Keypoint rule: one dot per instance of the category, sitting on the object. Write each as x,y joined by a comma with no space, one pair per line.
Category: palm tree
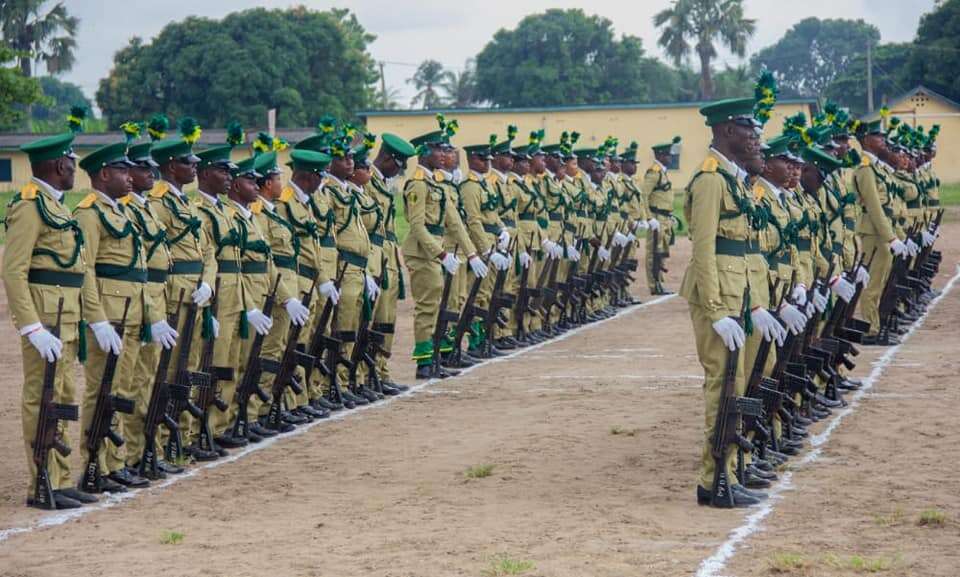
39,35
703,22
429,76
388,100
461,87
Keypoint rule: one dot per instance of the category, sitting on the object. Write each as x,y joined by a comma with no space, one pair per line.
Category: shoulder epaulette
126,199
286,195
758,191
419,174
256,207
438,175
473,176
710,165
864,160
528,179
492,179
654,167
87,201
159,189
29,192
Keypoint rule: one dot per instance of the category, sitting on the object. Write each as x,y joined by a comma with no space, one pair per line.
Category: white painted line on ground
109,500
714,564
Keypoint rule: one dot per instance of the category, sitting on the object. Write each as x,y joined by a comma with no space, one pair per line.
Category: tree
734,82
890,78
935,58
461,87
16,90
59,96
39,35
703,22
302,62
814,52
564,57
429,77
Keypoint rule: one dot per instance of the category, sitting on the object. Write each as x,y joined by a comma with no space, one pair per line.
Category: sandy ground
384,493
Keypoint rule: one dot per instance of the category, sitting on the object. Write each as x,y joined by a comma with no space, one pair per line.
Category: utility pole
869,78
383,88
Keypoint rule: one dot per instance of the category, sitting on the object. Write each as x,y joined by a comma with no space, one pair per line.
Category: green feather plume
235,134
132,130
511,132
157,127
76,117
189,129
263,143
765,96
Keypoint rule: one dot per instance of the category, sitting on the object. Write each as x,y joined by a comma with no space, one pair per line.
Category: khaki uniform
42,263
659,190
714,284
876,232
456,238
118,261
392,288
506,195
530,240
483,225
844,203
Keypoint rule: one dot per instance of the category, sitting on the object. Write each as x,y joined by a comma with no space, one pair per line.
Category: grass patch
788,562
890,520
932,518
503,565
618,430
862,564
171,538
479,471
950,194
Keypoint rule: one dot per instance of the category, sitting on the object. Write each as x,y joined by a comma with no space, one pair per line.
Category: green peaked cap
266,163
308,160
163,151
109,155
728,109
246,168
397,146
824,161
49,147
216,155
140,153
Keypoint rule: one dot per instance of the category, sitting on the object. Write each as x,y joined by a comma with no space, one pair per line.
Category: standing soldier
659,191
529,237
501,166
43,264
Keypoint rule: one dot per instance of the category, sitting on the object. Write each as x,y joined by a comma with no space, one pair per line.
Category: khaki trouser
713,357
64,391
879,271
663,242
349,310
314,387
143,378
226,353
385,313
193,363
273,346
426,284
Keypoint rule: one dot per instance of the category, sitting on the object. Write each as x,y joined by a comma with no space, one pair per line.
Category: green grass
787,562
503,565
932,518
862,564
950,194
894,518
171,538
479,471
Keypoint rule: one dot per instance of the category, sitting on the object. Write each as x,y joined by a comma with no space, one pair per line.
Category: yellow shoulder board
419,174
29,192
528,179
864,160
710,165
256,207
473,176
758,191
286,195
87,201
126,199
438,175
492,179
159,189
654,167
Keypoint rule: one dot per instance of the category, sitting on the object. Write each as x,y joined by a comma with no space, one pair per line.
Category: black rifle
184,382
209,394
250,385
47,436
570,286
333,353
728,425
365,349
589,290
160,396
469,313
656,263
524,294
444,318
549,293
101,425
498,300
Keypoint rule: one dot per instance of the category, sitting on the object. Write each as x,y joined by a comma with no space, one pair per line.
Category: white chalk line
111,500
712,565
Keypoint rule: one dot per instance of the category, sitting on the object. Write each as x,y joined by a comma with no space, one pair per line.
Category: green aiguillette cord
82,341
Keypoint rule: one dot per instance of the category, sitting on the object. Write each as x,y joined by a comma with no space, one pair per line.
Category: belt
837,247
888,211
157,275
528,217
228,267
753,247
931,202
509,222
913,203
353,258
55,278
376,238
392,236
661,212
569,227
849,223
254,267
307,272
555,216
731,247
491,228
186,267
287,262
328,242
803,244
435,229
115,272
582,213
775,260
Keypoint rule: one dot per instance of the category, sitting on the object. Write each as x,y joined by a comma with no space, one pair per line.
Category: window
6,170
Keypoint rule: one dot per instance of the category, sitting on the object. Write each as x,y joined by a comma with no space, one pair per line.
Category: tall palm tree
429,76
39,34
703,22
461,87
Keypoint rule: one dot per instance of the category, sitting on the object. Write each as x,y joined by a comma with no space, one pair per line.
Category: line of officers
137,251
784,213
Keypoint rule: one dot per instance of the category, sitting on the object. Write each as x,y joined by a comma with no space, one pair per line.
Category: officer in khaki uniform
559,234
529,233
501,165
153,235
43,263
118,262
717,206
659,191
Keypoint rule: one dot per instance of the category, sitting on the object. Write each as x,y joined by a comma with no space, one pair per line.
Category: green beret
216,156
109,155
729,109
266,163
50,148
308,160
163,151
245,168
140,154
824,161
398,147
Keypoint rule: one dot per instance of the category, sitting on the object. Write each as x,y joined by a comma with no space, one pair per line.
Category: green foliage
479,471
890,78
428,80
814,52
59,96
932,518
565,57
302,62
171,538
16,91
502,565
935,59
734,82
40,32
786,562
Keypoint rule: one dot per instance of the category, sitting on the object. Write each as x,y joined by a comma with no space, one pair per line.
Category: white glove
216,326
552,249
641,225
499,261
653,224
477,266
525,259
799,295
898,248
793,318
49,346
731,332
843,288
572,253
604,253
620,239
927,238
863,277
107,337
297,312
260,322
767,324
631,237
450,262
328,290
202,295
163,333
819,301
912,247
503,240
810,310
373,289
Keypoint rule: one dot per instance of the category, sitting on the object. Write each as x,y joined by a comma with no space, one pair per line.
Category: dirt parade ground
576,458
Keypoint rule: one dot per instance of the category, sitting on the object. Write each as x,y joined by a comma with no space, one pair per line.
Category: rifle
334,357
727,427
498,300
656,263
47,436
250,385
468,314
523,301
157,415
319,341
368,343
182,386
208,393
549,294
569,287
444,317
101,426
591,276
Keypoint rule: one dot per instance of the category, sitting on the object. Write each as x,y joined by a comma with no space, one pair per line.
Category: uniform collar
660,164
175,189
303,197
56,194
142,201
729,165
211,199
267,204
340,183
377,173
446,174
244,211
500,176
770,186
103,196
353,187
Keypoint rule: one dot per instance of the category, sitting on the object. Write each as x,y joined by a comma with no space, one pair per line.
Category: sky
451,32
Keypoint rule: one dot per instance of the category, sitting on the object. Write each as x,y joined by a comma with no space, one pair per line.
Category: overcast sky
410,32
